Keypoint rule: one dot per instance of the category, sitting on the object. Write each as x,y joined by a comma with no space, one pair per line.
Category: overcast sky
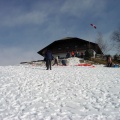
26,26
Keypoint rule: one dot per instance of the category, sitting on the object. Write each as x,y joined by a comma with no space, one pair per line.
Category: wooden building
62,46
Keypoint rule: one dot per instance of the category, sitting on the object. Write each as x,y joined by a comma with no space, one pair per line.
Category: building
62,46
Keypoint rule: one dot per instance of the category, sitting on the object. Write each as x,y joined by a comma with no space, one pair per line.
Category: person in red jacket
72,54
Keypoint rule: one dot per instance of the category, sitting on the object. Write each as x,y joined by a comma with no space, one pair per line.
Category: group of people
74,54
49,57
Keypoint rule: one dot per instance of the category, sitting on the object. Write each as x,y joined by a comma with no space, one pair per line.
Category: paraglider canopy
93,26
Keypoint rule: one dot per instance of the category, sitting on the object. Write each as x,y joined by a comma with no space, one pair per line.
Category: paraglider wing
93,26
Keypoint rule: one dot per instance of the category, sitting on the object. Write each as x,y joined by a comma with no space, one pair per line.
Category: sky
27,26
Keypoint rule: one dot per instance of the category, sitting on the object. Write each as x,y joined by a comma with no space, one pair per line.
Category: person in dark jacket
48,58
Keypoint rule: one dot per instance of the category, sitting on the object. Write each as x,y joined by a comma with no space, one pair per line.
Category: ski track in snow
63,93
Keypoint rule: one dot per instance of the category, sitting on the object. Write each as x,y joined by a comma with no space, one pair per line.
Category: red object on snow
85,64
93,26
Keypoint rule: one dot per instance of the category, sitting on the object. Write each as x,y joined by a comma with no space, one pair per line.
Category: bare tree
116,39
105,45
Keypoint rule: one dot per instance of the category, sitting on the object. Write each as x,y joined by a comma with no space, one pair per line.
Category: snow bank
73,61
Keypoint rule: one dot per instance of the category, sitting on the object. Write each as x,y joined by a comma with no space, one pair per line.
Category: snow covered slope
63,93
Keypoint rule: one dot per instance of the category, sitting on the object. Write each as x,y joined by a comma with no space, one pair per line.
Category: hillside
30,92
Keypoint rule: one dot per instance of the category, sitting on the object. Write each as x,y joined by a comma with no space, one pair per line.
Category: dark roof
66,40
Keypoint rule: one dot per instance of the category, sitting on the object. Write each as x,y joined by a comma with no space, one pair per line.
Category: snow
64,93
74,61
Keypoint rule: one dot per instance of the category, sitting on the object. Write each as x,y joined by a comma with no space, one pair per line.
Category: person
56,60
109,61
48,58
72,53
68,55
82,55
76,53
63,62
